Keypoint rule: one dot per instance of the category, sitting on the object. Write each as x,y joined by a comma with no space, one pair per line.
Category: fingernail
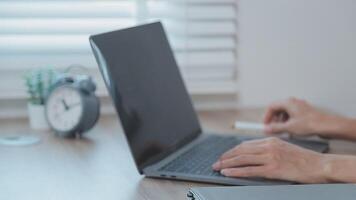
216,165
224,172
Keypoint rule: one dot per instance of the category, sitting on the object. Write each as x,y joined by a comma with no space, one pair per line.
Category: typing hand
274,159
293,116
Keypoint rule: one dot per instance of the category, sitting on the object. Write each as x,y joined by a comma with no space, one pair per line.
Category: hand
274,159
294,116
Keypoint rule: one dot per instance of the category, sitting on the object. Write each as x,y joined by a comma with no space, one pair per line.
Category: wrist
323,123
338,168
322,169
327,168
333,126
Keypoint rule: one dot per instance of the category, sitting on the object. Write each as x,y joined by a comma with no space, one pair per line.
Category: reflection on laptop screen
144,81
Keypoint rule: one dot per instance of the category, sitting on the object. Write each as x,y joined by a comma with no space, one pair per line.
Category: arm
340,168
337,127
304,119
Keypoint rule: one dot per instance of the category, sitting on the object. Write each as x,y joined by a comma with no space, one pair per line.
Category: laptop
282,192
161,126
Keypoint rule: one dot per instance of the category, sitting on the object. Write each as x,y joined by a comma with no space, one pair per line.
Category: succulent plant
38,82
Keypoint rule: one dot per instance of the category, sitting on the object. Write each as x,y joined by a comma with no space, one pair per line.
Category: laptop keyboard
198,160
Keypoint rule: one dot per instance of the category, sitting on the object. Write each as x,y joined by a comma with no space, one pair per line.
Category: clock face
64,109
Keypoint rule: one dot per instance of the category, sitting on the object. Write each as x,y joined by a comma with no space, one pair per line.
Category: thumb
277,127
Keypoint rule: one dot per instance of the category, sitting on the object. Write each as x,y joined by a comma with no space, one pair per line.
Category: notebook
285,192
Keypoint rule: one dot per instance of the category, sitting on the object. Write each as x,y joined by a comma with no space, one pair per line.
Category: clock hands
66,107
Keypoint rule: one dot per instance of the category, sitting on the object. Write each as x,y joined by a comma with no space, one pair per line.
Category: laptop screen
147,89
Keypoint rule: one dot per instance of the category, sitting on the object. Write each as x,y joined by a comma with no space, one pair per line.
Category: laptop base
160,170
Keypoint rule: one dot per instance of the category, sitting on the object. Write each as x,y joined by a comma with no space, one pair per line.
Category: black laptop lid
147,89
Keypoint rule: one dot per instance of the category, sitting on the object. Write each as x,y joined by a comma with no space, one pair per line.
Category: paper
249,126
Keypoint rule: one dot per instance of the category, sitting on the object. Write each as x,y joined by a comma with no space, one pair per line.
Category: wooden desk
97,167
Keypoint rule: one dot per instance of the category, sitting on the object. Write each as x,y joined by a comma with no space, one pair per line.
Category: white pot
37,117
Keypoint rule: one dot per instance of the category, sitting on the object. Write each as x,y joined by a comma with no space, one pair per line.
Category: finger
277,127
250,147
274,109
240,161
247,147
268,117
251,171
253,142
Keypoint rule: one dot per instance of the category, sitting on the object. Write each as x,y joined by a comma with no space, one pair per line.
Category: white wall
303,48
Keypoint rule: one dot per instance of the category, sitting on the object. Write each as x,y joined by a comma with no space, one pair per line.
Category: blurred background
232,53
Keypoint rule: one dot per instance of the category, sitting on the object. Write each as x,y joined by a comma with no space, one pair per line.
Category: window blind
55,33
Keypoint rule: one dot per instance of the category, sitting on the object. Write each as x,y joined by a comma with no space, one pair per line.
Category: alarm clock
72,108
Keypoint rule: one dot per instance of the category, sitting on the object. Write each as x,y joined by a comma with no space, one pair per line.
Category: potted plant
38,82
